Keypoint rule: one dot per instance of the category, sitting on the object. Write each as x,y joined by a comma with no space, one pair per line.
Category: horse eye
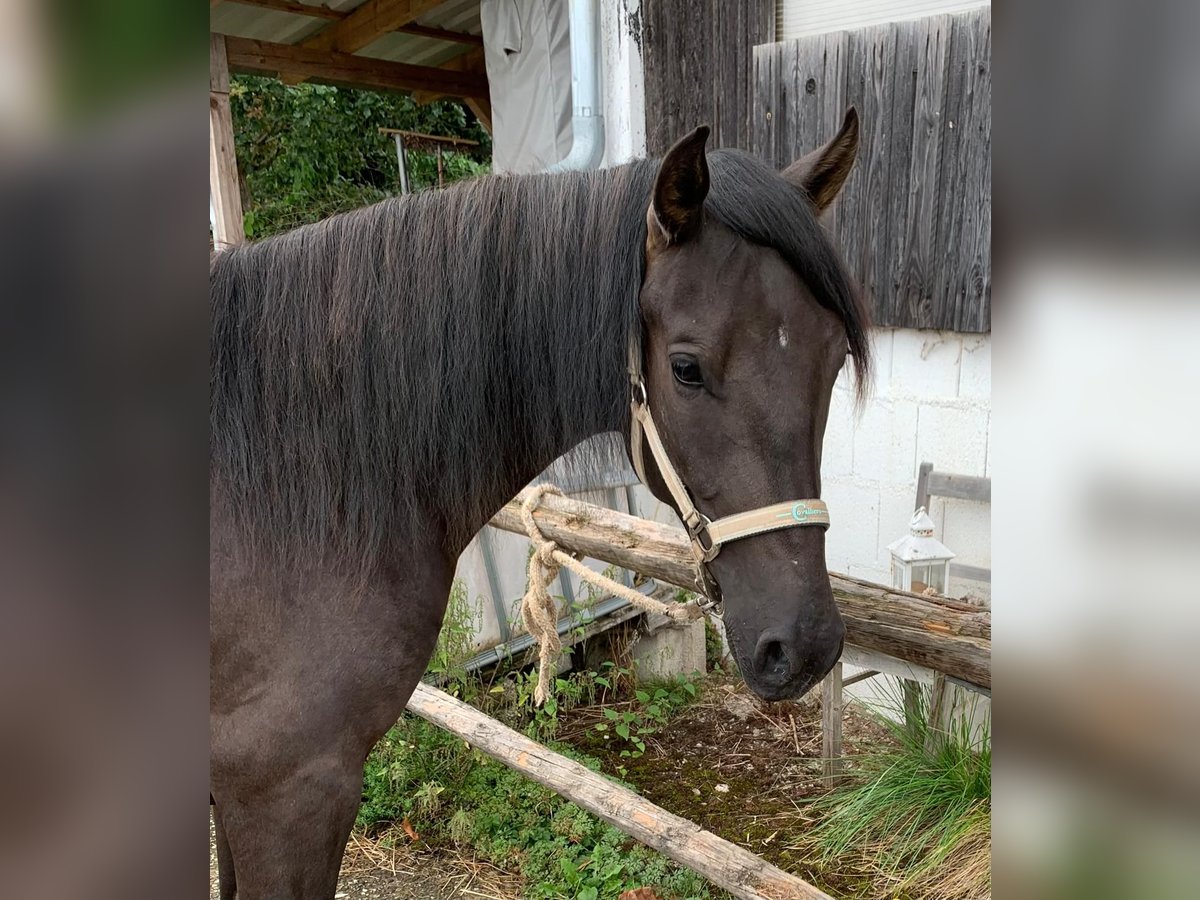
687,371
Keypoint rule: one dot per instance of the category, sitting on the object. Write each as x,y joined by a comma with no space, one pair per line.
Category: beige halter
706,535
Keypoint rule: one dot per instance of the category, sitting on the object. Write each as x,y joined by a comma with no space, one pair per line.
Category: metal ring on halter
639,393
711,602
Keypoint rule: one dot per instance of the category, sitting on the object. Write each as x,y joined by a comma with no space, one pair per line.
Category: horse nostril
774,662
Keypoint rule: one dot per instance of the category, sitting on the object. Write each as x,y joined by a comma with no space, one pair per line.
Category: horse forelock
759,205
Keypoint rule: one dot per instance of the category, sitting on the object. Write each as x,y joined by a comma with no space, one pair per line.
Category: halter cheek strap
706,535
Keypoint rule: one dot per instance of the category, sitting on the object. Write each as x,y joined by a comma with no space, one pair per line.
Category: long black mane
397,366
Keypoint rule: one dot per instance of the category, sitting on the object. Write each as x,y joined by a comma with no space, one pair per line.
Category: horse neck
562,270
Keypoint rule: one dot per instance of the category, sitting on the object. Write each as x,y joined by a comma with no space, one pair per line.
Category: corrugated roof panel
263,24
455,15
278,27
414,50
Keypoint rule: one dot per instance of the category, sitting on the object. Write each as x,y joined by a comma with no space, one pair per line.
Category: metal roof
276,26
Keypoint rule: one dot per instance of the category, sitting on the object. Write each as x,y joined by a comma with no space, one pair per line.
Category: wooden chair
946,695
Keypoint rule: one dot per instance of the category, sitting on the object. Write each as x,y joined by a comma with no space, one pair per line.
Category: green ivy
453,794
308,151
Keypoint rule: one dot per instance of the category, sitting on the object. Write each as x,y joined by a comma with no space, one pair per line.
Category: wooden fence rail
940,634
724,864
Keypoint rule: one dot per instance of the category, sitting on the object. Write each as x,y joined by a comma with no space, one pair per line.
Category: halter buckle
699,530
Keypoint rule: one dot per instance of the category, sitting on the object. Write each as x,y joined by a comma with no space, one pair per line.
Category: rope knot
539,612
545,554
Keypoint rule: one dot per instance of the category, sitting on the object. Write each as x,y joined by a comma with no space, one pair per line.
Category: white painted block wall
930,402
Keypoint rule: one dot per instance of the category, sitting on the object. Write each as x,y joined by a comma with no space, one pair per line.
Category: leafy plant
456,640
714,647
652,708
455,795
542,721
308,151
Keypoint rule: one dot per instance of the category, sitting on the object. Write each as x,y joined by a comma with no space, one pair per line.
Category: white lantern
920,562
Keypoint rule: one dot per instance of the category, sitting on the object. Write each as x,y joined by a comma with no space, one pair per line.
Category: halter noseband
706,535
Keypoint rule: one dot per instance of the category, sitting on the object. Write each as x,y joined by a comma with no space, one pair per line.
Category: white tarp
527,49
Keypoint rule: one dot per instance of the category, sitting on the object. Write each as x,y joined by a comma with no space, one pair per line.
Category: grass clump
919,821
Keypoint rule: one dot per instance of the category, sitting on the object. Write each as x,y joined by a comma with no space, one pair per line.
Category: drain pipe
587,115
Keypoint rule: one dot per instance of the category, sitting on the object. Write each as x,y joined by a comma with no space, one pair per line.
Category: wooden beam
420,136
441,34
483,111
962,487
935,632
861,676
725,864
471,61
480,106
224,191
247,55
369,22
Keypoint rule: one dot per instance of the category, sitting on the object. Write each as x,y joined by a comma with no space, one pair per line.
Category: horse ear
822,173
677,209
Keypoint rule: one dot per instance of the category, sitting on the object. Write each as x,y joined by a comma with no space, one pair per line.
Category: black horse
383,381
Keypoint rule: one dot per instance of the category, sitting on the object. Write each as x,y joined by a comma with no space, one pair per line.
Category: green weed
921,816
454,795
652,708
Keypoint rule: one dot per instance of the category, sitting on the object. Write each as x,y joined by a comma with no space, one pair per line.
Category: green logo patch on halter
801,512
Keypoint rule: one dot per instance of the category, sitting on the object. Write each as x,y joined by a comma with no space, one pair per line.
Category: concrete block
844,385
975,369
987,461
895,512
854,530
881,360
669,650
870,573
954,440
885,441
881,366
472,571
837,452
925,364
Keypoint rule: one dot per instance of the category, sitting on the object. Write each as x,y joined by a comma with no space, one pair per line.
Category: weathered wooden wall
697,62
914,220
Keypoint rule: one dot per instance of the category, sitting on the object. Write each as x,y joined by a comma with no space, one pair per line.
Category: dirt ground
371,871
737,766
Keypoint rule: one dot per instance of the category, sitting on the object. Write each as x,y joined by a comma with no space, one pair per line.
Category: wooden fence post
831,725
223,188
